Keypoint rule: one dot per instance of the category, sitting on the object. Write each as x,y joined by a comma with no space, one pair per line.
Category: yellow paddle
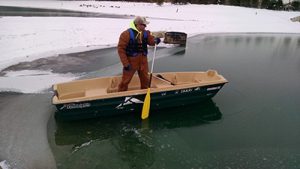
146,106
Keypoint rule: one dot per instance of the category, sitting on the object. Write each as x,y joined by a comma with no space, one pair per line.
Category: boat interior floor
158,81
109,85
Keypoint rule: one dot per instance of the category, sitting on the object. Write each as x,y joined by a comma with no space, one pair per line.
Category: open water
253,122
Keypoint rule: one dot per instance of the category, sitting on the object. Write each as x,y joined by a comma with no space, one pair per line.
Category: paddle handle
150,80
154,55
152,66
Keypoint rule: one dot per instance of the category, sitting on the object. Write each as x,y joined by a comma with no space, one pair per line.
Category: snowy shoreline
29,38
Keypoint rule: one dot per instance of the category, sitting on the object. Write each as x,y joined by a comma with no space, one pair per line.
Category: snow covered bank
30,38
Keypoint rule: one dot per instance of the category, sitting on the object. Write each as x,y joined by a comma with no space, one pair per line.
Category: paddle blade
146,106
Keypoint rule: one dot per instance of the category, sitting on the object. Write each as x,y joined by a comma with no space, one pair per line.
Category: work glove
157,40
128,67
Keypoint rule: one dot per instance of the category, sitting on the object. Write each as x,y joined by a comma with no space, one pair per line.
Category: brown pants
139,64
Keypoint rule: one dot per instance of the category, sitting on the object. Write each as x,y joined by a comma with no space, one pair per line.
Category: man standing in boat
133,50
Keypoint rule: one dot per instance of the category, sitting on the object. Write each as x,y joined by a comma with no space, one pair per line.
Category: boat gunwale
153,90
134,93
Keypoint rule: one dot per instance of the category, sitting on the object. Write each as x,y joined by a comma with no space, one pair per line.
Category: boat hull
133,103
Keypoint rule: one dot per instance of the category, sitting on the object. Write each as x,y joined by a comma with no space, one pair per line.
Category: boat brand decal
129,100
213,88
187,90
75,106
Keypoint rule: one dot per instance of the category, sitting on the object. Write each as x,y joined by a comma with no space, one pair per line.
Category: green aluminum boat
91,98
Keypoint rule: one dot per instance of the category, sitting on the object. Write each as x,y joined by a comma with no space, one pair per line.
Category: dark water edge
29,12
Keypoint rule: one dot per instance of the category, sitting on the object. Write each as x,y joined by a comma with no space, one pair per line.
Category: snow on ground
30,38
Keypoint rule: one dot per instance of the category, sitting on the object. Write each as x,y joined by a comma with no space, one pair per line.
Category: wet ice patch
32,81
4,165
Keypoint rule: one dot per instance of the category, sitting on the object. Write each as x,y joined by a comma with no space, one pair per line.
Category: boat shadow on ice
135,141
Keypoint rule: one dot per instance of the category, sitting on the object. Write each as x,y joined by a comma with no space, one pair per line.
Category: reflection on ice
125,140
23,128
